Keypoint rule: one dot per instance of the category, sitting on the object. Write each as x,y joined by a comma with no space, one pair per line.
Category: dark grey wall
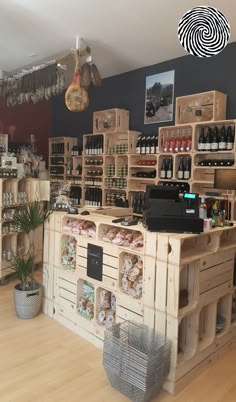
192,75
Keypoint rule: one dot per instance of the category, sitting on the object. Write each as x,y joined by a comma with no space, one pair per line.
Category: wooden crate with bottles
197,108
60,156
214,148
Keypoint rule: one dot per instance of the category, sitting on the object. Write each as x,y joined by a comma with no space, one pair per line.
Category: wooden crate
68,142
110,120
166,133
205,106
218,124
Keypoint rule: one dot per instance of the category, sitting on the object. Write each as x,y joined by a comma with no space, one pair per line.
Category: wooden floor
41,361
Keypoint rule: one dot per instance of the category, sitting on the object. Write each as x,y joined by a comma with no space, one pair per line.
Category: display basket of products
136,360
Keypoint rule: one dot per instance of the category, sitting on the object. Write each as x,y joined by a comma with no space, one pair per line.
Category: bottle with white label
230,139
222,139
169,172
201,141
208,140
215,140
187,170
181,169
203,209
163,169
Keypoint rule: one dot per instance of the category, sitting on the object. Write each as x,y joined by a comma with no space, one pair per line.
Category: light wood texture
42,361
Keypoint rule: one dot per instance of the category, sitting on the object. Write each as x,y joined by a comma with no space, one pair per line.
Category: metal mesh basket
136,360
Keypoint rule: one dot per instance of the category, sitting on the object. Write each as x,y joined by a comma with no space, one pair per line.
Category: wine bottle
156,144
163,169
153,145
148,145
181,169
138,145
215,140
187,170
222,139
169,172
208,139
201,141
143,144
134,204
230,140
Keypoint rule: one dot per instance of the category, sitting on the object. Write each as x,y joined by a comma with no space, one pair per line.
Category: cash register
165,210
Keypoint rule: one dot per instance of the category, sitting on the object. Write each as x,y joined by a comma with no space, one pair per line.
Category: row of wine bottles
145,174
183,172
93,196
57,161
76,195
147,144
216,139
94,145
57,170
58,148
216,162
138,203
77,150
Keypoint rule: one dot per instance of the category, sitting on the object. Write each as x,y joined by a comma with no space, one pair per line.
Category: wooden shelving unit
183,286
22,191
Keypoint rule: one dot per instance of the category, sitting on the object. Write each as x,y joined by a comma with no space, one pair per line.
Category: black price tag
94,262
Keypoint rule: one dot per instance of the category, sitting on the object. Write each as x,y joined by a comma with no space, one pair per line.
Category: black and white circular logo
204,31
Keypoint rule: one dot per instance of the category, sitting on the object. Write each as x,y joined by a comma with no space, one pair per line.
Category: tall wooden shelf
23,191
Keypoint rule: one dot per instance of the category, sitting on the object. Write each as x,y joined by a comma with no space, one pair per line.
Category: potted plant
28,293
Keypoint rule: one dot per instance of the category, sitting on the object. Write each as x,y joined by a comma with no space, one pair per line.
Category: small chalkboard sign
94,262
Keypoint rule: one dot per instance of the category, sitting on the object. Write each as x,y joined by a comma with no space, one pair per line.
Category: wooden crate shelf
110,120
206,106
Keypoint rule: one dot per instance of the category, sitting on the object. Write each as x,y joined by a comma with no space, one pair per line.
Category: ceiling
124,34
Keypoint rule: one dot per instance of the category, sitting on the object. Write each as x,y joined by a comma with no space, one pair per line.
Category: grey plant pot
28,302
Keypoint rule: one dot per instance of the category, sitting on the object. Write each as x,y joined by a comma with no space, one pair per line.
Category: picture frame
159,97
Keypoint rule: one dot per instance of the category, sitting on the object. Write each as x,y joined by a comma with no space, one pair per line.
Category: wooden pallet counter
97,273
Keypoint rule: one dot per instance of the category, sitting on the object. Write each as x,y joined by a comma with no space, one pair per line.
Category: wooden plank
110,271
215,276
214,294
184,277
151,244
67,285
216,258
111,261
149,276
65,294
46,245
160,322
162,247
161,285
128,315
149,317
130,303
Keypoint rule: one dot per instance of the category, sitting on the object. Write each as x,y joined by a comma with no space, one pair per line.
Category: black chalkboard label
94,262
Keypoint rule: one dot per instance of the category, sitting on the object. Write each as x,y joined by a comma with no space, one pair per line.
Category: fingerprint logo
204,31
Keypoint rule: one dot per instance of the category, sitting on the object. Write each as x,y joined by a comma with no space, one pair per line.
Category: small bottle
202,209
201,141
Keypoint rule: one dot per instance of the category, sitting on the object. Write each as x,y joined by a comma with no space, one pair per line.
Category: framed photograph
159,97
